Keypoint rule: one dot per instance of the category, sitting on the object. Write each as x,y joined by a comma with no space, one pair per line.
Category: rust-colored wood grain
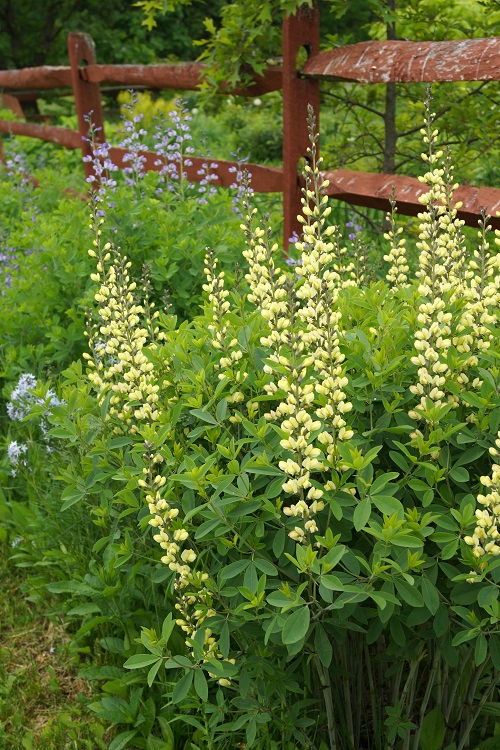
44,77
81,51
185,76
7,101
61,136
300,32
375,190
403,61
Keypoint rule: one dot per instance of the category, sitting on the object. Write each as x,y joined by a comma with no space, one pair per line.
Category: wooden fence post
81,49
300,32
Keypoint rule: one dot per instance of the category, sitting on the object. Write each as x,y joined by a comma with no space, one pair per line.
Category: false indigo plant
308,456
173,146
102,181
23,404
133,143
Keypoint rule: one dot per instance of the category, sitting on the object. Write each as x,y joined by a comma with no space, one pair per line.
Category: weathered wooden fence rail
367,62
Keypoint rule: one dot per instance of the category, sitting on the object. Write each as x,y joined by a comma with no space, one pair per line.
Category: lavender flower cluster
356,229
173,146
240,184
17,167
102,166
8,266
133,143
17,455
16,164
172,141
22,399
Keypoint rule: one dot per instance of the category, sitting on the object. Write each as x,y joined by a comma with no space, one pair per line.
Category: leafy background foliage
380,617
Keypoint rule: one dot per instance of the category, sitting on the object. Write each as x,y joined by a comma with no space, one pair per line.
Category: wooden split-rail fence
366,62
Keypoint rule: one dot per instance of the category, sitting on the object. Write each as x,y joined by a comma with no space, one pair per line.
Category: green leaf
71,496
205,416
334,555
101,673
154,743
480,649
362,513
387,504
119,442
399,460
206,527
408,593
244,509
494,645
221,410
84,609
279,543
470,455
487,595
265,566
331,582
431,596
441,621
140,660
182,687
201,685
381,481
224,641
233,569
406,540
323,646
121,740
296,625
167,733
167,627
459,474
432,734
153,672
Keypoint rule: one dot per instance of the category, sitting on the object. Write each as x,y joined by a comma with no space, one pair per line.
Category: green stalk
326,689
347,694
427,695
360,704
465,735
373,699
408,688
451,699
468,703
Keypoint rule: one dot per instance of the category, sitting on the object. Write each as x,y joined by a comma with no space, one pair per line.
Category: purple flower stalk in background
242,190
17,455
102,166
8,267
133,143
16,164
172,145
208,173
356,227
22,399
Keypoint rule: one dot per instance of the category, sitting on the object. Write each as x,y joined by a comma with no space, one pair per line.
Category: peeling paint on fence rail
62,136
186,76
45,77
375,190
403,61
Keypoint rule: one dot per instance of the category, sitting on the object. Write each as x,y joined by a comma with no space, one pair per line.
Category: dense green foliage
313,577
34,33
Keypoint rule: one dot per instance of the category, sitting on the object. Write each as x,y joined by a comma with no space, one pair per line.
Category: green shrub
45,269
309,453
